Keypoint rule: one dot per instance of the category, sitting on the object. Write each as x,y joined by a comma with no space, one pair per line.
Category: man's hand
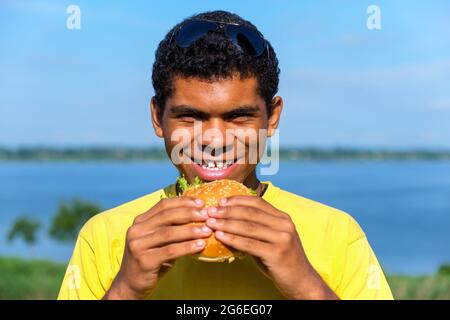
156,238
252,225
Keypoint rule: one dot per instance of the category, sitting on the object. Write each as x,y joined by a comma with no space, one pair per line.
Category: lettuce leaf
252,192
197,182
185,185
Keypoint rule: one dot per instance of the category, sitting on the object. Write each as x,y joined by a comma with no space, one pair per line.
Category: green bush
444,270
70,217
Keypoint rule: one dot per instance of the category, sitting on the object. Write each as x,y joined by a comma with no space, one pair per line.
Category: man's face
215,130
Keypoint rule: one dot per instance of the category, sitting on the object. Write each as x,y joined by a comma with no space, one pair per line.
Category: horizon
282,147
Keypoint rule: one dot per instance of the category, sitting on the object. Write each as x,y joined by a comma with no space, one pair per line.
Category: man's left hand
252,225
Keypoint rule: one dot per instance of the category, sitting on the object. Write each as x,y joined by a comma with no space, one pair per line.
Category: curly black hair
213,57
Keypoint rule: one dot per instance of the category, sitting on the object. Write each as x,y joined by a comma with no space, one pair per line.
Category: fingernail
211,220
203,213
200,243
205,229
213,209
199,202
223,201
198,230
220,234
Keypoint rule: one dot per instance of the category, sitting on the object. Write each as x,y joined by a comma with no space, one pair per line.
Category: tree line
156,153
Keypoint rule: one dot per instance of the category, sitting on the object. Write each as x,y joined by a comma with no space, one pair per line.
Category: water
404,207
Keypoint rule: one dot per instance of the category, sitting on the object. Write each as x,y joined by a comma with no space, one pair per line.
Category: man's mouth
209,170
216,165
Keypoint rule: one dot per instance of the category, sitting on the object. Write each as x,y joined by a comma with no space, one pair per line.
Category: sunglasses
245,38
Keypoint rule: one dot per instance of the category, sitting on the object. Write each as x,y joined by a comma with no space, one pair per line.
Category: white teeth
219,165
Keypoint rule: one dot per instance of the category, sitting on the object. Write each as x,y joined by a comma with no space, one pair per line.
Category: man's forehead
220,93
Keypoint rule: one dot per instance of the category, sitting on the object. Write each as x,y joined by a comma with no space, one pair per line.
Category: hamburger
211,193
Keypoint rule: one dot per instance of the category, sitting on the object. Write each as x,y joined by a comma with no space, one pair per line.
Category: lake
404,207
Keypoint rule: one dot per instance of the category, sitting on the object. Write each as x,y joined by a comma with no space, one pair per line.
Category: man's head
214,83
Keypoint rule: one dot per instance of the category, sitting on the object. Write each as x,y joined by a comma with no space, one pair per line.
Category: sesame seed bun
211,193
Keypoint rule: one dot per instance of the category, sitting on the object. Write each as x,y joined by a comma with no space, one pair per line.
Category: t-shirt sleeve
81,280
362,276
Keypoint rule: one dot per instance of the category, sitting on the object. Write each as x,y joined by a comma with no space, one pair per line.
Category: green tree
25,228
70,217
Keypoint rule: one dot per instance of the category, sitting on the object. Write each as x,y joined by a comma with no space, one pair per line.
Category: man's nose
215,138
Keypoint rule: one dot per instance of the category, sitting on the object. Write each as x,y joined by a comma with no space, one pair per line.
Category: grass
431,287
29,279
40,279
421,287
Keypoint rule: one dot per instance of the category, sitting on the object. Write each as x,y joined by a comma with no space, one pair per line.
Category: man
216,69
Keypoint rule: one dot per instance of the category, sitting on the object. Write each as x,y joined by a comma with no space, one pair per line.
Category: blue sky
343,85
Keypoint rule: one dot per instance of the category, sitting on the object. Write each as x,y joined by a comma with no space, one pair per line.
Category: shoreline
158,154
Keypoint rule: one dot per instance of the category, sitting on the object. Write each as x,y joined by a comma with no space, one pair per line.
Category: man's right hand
156,238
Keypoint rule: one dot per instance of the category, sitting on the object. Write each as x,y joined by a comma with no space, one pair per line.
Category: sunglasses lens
248,39
192,31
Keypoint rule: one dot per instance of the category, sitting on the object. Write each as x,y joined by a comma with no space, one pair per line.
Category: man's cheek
179,143
248,145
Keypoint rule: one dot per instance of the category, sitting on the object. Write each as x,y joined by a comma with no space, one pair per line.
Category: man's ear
274,119
157,115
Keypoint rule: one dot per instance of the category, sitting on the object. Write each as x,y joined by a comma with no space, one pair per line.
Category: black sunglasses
245,38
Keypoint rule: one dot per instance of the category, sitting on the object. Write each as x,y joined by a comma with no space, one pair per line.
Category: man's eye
187,119
240,119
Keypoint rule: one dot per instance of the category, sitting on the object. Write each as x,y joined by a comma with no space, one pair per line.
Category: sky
343,85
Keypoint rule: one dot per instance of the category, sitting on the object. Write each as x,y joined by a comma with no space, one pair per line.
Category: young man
216,69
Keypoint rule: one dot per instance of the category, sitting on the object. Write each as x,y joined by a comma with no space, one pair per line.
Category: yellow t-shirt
334,243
